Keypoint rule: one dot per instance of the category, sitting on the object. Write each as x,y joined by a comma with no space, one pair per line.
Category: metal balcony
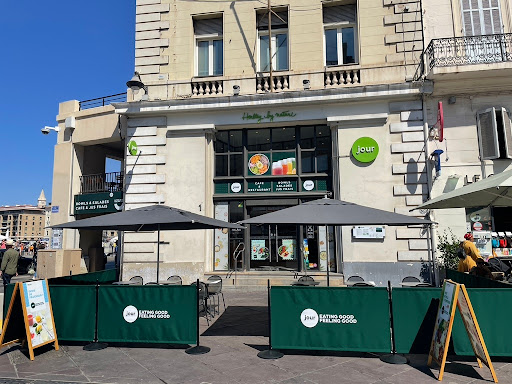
102,182
455,51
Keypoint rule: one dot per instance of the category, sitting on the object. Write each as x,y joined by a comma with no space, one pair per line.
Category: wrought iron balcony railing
484,49
102,101
102,182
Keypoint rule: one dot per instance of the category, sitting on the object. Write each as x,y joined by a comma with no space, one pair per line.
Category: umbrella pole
158,255
327,249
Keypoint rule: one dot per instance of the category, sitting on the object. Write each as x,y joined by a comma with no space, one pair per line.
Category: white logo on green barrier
132,148
365,149
309,318
130,314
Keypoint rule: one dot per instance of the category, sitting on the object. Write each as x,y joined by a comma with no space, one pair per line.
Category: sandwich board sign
455,296
30,317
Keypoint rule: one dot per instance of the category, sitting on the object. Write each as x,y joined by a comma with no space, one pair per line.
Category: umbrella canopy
495,190
152,218
334,212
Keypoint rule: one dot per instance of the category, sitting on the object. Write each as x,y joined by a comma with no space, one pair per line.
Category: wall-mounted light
135,83
236,90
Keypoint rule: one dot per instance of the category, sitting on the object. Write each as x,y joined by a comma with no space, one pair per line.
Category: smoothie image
30,319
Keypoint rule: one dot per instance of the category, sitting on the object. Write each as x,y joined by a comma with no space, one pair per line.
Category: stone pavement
235,338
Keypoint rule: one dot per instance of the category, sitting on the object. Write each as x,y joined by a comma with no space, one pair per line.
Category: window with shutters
275,43
340,34
209,57
481,17
494,134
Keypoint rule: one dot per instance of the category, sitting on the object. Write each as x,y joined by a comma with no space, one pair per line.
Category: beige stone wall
388,34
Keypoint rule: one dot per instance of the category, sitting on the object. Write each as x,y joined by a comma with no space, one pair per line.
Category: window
277,41
340,34
209,47
315,145
481,17
494,134
229,153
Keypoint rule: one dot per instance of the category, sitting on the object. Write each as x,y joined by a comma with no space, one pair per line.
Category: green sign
268,117
103,202
365,149
337,319
284,186
259,186
149,314
132,148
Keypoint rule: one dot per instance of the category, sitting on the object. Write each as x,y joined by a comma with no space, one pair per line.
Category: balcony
469,57
102,182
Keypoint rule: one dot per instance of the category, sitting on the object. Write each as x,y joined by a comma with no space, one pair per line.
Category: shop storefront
261,170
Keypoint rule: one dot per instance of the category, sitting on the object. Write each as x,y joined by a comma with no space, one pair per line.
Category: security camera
45,131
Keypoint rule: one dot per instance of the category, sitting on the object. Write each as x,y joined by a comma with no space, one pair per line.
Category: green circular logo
132,148
365,150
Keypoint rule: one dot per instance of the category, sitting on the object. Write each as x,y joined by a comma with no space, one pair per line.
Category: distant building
24,222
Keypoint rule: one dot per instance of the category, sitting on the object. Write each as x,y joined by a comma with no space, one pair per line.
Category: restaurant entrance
273,247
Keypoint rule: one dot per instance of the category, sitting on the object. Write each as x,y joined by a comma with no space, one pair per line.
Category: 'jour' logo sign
365,149
309,318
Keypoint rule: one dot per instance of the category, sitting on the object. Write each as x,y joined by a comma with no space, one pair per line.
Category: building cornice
353,94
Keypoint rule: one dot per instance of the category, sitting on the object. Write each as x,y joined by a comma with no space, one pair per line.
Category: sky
54,51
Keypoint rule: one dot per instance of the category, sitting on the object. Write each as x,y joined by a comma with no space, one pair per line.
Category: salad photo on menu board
39,316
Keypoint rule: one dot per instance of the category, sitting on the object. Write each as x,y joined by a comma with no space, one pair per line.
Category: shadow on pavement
240,321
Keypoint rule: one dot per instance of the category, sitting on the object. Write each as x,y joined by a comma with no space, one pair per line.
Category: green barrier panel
414,315
8,290
103,277
471,281
493,311
73,310
149,314
337,319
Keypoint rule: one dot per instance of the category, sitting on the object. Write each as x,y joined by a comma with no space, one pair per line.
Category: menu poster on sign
455,296
258,250
30,305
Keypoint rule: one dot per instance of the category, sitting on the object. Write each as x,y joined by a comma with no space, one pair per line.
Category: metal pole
198,349
95,346
327,248
392,358
158,255
269,354
271,80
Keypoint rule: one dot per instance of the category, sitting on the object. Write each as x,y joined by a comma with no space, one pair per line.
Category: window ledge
207,78
342,67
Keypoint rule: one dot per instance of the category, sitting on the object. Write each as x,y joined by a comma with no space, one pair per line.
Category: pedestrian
2,246
469,247
466,262
9,266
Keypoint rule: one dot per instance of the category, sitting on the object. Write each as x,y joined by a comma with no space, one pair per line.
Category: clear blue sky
54,51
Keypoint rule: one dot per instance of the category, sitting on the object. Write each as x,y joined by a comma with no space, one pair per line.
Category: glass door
272,247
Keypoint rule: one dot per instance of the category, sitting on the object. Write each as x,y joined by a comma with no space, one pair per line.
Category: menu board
30,317
259,251
455,296
38,313
444,322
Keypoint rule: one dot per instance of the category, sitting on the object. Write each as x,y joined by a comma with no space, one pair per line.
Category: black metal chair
174,280
203,300
138,280
215,290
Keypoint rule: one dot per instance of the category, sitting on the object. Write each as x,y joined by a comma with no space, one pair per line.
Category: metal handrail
483,49
102,182
102,101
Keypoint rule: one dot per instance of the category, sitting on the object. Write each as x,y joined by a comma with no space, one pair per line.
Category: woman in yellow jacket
466,263
470,248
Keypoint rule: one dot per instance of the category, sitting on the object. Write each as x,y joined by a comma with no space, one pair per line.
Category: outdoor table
125,283
306,283
414,284
166,283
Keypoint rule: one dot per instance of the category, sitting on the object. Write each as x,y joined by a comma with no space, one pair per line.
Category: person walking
2,246
469,247
9,266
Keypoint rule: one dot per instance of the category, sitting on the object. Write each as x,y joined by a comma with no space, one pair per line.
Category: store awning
495,190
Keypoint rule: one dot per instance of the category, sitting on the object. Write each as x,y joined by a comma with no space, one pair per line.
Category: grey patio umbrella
334,212
151,218
495,190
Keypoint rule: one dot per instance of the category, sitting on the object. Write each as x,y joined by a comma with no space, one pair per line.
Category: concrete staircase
257,280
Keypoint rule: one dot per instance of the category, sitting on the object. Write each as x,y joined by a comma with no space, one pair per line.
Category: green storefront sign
259,186
284,186
103,202
365,149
